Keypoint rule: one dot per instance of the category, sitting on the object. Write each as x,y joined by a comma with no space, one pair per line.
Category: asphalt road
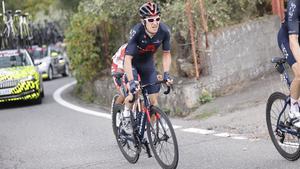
52,136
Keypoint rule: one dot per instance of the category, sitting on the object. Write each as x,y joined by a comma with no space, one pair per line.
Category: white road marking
177,127
222,134
239,138
58,99
199,131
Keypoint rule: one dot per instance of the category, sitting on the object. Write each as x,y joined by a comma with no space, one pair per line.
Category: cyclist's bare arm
294,45
129,74
167,61
128,67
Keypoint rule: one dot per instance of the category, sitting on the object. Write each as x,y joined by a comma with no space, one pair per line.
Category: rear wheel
286,144
128,147
162,139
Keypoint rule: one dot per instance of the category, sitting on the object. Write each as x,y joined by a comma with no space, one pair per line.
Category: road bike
144,117
9,32
284,135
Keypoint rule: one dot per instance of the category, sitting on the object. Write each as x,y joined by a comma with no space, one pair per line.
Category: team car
51,61
19,78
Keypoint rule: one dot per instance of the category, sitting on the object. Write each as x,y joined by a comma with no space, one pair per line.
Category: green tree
100,26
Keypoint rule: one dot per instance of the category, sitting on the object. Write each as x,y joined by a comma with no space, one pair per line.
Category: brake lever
168,89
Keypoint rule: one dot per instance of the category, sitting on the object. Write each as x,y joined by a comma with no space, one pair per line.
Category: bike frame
283,128
144,109
279,126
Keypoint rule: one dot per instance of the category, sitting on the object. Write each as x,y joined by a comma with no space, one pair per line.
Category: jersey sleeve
166,46
293,16
131,48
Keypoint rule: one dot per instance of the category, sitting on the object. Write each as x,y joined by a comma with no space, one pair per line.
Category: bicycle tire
277,96
154,139
113,110
116,111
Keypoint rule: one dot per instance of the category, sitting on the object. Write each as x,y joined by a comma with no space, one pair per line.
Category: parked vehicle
51,61
19,78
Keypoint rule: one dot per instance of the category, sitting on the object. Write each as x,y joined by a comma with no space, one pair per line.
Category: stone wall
242,52
236,55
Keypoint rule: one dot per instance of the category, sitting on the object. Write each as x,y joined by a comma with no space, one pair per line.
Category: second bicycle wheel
286,144
162,139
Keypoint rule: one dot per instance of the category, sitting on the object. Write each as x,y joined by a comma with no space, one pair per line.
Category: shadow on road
17,104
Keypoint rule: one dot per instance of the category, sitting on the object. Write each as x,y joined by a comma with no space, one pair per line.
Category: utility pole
278,8
203,21
188,10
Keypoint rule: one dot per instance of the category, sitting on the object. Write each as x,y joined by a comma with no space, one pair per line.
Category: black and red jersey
142,47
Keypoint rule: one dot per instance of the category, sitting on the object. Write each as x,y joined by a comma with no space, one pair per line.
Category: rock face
237,55
186,68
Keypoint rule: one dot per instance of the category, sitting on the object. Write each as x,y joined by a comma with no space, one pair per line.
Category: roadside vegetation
99,27
94,29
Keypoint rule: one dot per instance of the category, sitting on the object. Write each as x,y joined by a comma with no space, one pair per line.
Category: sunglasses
153,19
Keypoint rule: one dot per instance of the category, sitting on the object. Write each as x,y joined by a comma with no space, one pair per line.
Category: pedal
282,139
281,135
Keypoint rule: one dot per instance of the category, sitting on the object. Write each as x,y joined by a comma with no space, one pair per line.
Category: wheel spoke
163,148
163,141
290,146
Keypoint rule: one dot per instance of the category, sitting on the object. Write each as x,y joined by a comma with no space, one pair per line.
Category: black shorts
147,75
284,45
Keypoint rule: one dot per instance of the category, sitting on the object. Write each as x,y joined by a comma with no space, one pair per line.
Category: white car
50,61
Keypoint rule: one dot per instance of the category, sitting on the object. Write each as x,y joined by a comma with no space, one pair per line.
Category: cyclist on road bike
288,41
145,38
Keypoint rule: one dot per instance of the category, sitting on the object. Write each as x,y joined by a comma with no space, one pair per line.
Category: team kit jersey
142,47
290,26
117,65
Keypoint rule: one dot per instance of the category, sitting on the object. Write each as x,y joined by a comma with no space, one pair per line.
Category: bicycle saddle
279,60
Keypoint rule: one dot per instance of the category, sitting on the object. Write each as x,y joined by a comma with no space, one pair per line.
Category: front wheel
286,144
162,139
128,147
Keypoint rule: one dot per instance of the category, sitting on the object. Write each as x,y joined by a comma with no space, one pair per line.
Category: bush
83,54
205,97
100,26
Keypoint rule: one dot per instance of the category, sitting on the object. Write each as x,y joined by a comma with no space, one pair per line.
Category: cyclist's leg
284,45
150,76
285,48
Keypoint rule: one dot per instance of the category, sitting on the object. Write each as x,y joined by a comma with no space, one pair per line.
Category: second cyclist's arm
128,67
